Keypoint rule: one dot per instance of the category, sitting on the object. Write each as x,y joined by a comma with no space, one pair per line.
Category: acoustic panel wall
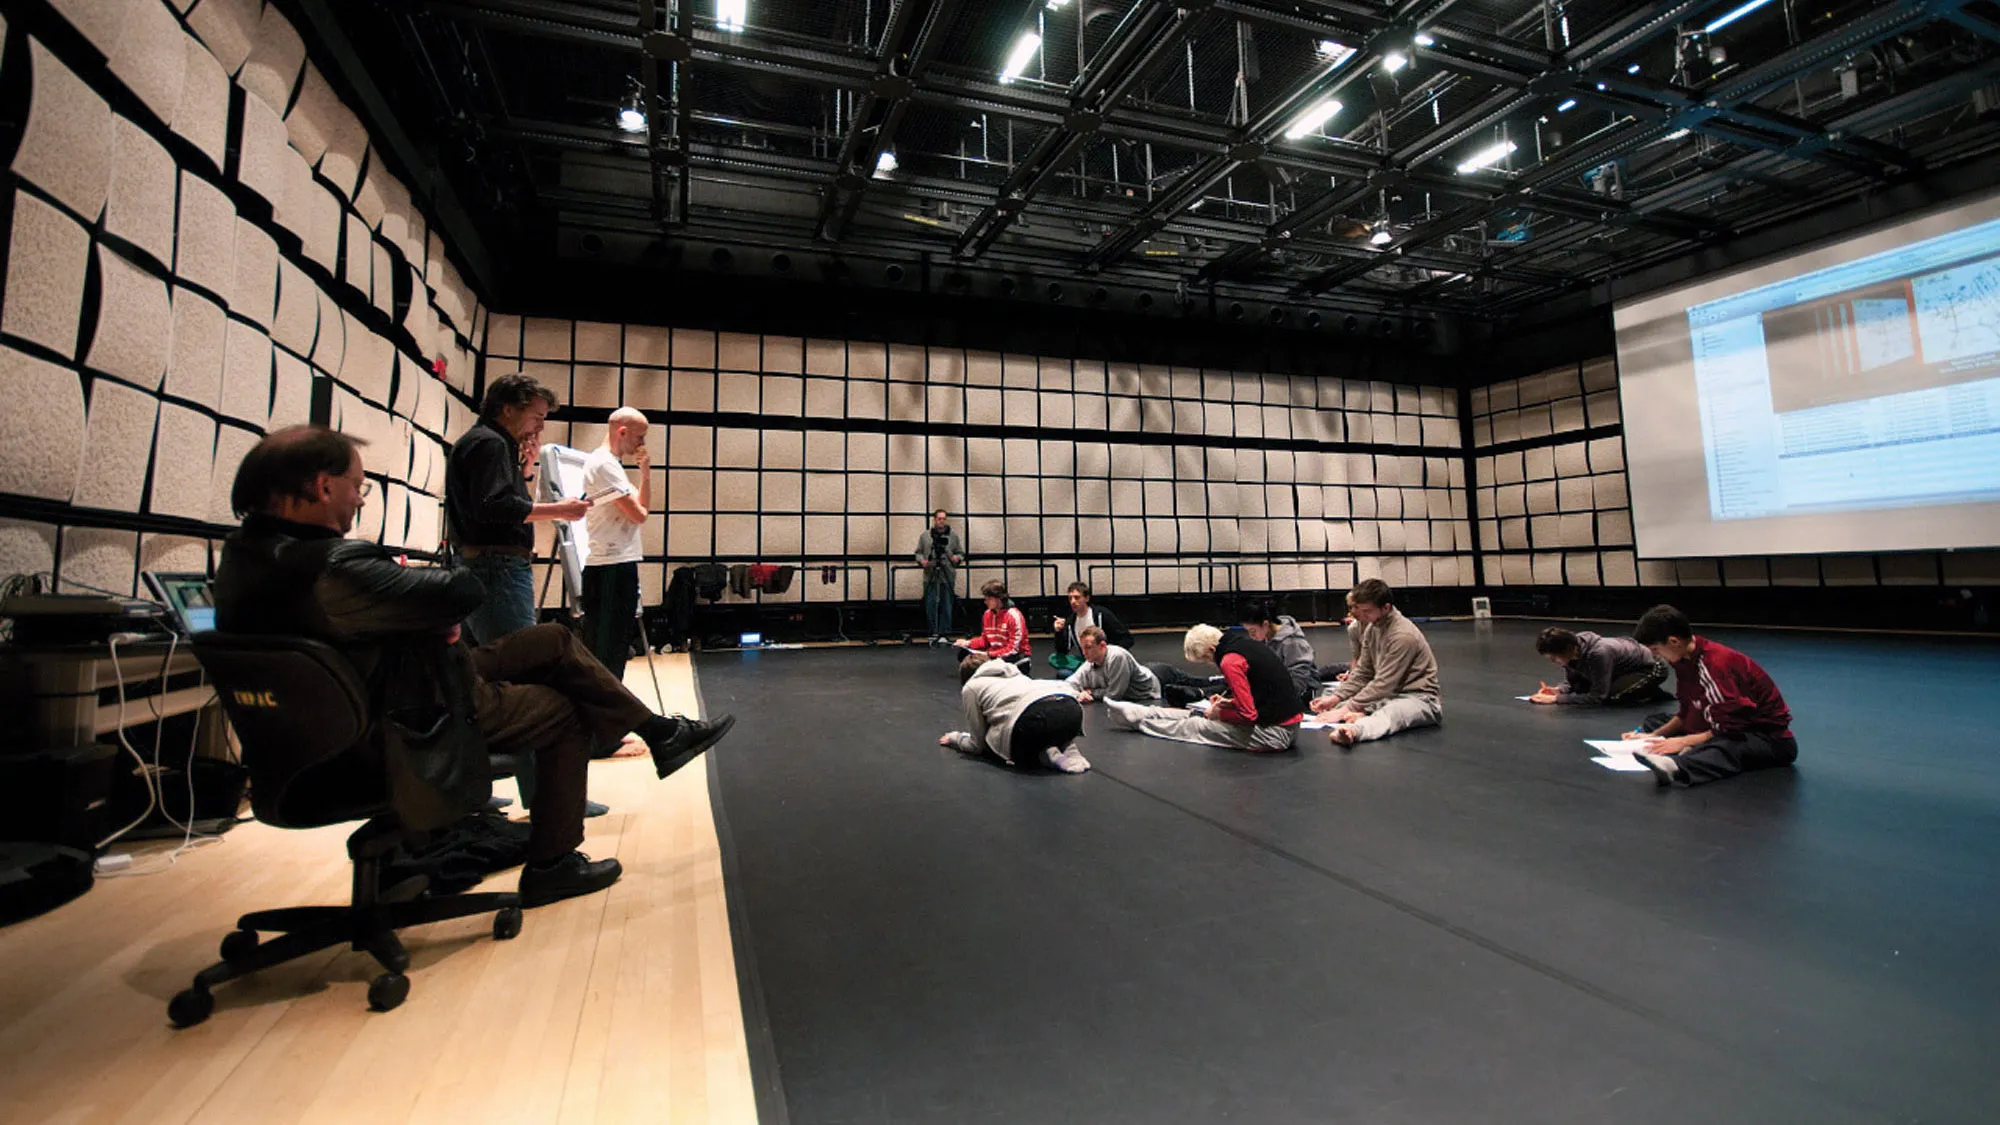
152,333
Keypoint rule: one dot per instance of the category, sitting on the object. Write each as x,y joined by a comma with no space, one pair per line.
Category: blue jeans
938,599
509,608
510,597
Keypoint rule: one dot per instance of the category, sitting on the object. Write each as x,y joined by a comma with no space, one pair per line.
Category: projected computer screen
1845,399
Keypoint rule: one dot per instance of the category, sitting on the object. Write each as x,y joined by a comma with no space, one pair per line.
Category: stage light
1394,61
631,120
1381,237
1487,157
1423,40
1566,106
1334,52
1733,15
1023,54
885,163
1633,69
731,15
1310,121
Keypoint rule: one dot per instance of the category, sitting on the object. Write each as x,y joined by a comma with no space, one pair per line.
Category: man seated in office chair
289,570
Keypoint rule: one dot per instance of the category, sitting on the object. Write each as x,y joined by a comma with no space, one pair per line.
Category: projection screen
1842,399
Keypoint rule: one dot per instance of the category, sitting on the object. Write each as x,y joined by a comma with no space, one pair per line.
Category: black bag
432,752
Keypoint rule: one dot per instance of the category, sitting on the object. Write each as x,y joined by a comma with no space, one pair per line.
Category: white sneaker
1122,715
1067,760
1665,770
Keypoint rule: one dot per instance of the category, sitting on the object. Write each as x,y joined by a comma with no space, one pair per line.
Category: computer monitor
187,598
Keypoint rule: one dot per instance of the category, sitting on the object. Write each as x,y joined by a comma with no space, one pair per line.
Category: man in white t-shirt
611,572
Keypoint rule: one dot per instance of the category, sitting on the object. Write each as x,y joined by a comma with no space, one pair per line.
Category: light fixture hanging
1022,55
1394,61
631,112
731,15
1487,157
885,163
1309,122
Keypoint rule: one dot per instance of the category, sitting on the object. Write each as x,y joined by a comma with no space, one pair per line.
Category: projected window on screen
1875,383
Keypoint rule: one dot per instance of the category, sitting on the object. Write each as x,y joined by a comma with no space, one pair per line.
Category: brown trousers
540,691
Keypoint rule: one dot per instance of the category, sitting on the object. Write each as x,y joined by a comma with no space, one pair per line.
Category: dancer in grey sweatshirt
1027,723
1110,672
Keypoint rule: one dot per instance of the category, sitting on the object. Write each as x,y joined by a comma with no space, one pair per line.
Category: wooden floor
618,1007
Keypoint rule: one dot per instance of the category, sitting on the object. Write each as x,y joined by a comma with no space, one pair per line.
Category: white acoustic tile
316,105
98,559
205,250
597,342
645,345
346,151
227,27
99,21
170,554
296,319
384,292
276,55
134,323
48,260
692,348
119,437
150,58
65,148
291,391
262,153
246,375
202,117
321,222
368,201
357,256
254,293
330,344
195,357
42,429
141,199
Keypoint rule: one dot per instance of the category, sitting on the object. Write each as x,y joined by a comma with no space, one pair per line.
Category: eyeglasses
367,486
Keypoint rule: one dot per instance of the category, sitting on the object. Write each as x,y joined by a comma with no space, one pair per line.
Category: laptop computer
187,599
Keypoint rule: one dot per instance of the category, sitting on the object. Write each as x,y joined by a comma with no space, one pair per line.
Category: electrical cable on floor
152,772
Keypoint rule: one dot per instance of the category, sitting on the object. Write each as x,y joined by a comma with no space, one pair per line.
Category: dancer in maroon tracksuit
1731,718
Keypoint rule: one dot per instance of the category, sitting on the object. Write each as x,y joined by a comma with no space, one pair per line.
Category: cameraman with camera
940,552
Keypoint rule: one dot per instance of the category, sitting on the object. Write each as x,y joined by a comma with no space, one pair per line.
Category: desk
65,689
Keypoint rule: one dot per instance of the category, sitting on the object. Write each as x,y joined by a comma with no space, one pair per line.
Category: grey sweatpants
1399,713
1186,726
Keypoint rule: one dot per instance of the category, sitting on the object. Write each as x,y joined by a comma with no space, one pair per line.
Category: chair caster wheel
507,924
191,1007
387,991
239,945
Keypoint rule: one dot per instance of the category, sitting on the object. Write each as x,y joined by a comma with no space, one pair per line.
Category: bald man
611,573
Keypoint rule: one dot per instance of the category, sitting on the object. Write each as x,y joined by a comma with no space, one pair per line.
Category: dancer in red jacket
1003,629
1732,718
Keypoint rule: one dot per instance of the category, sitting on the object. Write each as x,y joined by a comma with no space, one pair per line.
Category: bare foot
632,747
1343,734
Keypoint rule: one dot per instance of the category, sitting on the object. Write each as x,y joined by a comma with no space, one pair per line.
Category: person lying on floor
1003,631
1026,723
1260,619
288,570
1393,685
1083,614
1111,672
1600,671
1731,718
1259,712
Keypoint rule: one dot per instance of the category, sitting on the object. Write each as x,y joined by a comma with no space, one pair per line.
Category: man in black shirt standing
487,506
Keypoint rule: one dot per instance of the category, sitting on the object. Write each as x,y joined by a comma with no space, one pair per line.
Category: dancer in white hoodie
1027,723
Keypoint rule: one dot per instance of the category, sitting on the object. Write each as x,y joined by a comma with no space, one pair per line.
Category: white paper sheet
1627,764
1616,746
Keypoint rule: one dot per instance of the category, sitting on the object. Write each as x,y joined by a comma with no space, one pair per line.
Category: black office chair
302,717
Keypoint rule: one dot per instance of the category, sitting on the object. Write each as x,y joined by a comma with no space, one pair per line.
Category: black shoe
592,808
689,739
498,803
572,875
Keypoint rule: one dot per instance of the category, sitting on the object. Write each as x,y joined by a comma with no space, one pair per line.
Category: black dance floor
1468,924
